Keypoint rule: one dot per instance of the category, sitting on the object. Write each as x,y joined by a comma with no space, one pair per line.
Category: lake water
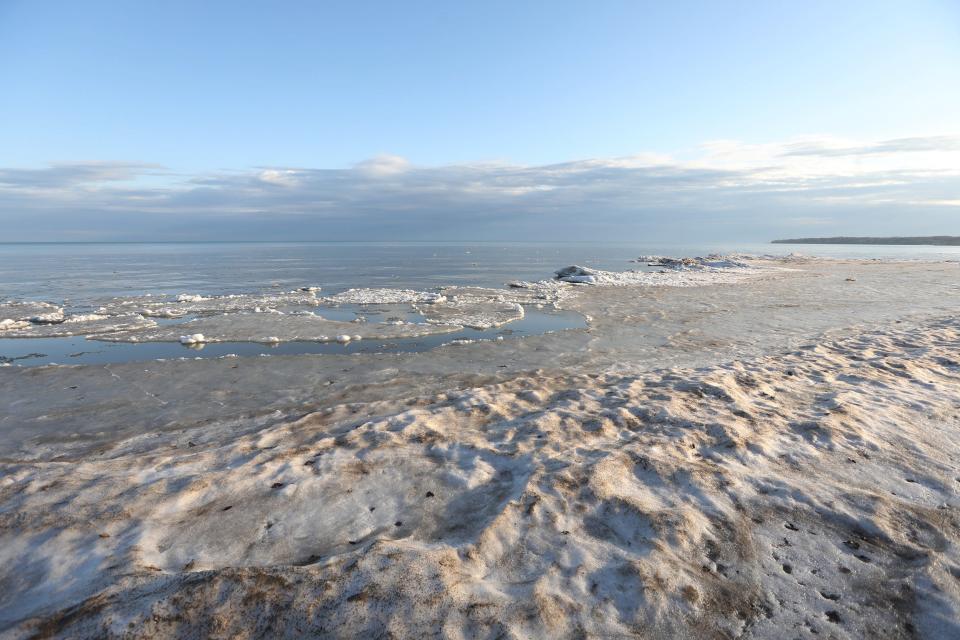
79,273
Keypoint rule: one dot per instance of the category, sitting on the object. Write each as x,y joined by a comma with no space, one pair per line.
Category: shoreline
630,330
738,459
901,241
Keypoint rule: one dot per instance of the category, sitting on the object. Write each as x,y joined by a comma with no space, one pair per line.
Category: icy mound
384,296
681,272
576,274
476,314
80,325
35,312
275,328
189,304
712,261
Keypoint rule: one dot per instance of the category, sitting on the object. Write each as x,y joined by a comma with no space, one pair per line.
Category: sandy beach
765,455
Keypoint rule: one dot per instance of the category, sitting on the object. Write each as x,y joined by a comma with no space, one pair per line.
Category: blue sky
157,118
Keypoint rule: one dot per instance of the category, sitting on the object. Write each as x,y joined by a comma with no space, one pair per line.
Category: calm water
80,273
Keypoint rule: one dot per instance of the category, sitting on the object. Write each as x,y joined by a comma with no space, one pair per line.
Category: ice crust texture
805,492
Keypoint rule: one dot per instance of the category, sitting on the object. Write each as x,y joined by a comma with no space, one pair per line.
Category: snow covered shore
774,458
812,492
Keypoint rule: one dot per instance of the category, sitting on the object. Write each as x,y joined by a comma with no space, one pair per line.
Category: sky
478,120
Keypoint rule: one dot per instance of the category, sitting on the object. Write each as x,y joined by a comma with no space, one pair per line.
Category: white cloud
280,177
909,185
383,165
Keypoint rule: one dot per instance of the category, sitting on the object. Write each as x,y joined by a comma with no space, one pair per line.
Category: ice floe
191,304
384,296
8,324
475,314
79,325
35,312
276,328
518,292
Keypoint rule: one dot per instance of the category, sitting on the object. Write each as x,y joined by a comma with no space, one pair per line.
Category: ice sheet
546,292
272,328
193,304
384,296
470,312
27,311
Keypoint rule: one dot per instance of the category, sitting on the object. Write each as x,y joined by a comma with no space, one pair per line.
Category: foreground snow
810,493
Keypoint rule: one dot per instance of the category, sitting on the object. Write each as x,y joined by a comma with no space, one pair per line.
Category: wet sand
770,458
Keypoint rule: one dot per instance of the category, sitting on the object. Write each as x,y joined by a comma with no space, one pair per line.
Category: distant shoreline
942,241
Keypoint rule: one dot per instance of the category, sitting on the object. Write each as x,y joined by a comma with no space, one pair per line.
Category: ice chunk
194,338
343,338
577,275
47,318
9,324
